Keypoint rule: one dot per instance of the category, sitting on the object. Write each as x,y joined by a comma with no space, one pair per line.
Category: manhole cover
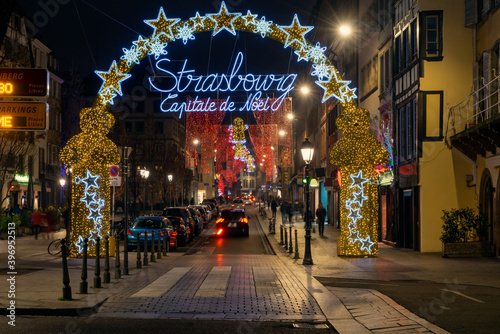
310,326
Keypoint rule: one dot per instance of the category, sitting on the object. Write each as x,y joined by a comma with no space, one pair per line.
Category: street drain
310,326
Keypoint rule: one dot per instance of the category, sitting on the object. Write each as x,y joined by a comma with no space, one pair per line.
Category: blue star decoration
90,181
302,54
95,214
88,198
79,244
162,26
366,244
249,18
112,79
223,20
354,215
359,198
295,32
358,180
107,96
141,44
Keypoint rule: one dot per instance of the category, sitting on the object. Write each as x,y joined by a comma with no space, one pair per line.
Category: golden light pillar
357,154
89,154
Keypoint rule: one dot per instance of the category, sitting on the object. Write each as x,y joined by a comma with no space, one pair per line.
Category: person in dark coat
321,214
274,208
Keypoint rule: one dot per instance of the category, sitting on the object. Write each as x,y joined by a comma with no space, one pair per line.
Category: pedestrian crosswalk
228,287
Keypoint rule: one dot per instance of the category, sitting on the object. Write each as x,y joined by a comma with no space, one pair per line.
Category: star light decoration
295,33
354,205
112,82
224,20
162,26
250,18
93,203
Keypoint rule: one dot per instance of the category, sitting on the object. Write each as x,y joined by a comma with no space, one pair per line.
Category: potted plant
465,233
5,220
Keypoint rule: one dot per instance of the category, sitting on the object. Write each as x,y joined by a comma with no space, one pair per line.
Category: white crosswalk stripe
163,283
215,283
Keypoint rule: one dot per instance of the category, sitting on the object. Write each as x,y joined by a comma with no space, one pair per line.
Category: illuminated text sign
186,80
23,82
23,115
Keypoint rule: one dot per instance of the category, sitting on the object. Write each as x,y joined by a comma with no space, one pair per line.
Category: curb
68,312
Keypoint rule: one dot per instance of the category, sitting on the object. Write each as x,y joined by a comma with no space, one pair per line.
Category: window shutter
486,6
486,68
471,12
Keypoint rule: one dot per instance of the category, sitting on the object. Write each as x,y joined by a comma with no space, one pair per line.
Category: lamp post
144,174
170,177
307,150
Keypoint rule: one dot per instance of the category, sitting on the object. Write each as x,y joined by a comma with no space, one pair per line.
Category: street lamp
144,174
170,177
62,182
307,150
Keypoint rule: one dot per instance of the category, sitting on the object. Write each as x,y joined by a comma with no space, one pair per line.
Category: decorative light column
307,150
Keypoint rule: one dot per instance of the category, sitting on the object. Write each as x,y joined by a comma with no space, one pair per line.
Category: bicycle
55,248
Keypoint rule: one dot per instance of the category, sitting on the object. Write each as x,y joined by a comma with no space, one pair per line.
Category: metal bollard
97,268
145,258
125,250
164,244
281,234
152,259
296,246
286,238
139,263
290,249
158,246
66,287
106,260
84,285
118,271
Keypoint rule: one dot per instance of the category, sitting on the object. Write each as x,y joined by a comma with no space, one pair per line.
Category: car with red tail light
232,221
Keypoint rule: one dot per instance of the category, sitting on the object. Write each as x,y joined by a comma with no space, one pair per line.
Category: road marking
465,296
266,281
215,283
163,283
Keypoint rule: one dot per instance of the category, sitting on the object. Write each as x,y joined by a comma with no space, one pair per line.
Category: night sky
87,35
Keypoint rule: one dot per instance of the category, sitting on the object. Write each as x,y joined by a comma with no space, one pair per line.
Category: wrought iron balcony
474,123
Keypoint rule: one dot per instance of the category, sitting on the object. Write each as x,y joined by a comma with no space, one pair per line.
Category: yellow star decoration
301,54
107,96
224,20
348,93
162,26
332,88
249,18
142,44
112,79
198,21
295,32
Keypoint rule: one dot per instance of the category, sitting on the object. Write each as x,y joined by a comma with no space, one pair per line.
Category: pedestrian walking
283,210
321,214
290,211
274,208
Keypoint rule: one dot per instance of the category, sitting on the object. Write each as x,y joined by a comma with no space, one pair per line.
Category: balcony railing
478,108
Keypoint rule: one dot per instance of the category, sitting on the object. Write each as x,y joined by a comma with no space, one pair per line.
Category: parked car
149,224
232,221
184,214
183,232
198,220
214,202
203,212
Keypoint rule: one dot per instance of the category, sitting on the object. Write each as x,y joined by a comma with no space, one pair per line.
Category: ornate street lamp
144,174
62,182
170,177
307,150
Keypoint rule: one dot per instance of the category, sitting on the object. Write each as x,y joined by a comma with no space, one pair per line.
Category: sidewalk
348,310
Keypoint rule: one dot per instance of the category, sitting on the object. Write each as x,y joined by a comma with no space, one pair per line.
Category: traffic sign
23,82
114,170
23,115
114,179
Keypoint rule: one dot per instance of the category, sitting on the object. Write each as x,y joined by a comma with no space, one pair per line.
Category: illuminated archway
90,152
